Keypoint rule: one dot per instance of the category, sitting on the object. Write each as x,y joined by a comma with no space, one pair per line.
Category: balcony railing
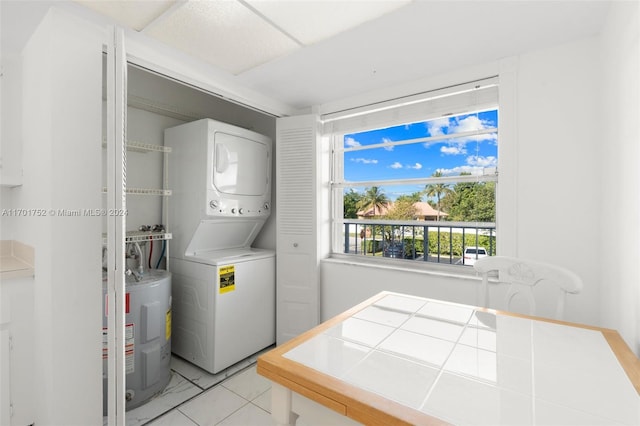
456,243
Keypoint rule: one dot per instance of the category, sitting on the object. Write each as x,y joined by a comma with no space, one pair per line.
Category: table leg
281,406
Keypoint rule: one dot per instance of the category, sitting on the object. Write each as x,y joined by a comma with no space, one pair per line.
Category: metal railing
445,242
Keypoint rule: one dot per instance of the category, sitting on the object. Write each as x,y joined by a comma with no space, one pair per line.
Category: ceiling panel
311,52
134,14
225,34
315,20
425,38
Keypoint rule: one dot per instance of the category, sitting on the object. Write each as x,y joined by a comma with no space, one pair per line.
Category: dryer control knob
233,210
213,204
241,210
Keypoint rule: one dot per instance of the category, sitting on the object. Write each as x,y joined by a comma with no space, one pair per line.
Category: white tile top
470,367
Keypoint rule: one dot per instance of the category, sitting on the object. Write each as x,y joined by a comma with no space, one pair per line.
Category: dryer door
241,165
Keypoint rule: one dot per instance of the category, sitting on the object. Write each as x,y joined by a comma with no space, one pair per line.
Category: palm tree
437,190
373,197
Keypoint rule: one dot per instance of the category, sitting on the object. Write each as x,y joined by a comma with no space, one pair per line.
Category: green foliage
438,190
403,209
373,246
351,200
451,243
471,202
373,198
464,202
413,198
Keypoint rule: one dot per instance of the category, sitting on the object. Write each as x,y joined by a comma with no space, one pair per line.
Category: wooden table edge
628,360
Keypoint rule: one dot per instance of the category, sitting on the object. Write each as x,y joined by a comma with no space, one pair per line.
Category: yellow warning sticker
227,279
167,325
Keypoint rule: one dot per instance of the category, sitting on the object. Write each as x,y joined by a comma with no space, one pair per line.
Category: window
417,181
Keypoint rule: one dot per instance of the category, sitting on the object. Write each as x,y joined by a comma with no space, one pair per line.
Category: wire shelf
141,236
144,191
144,147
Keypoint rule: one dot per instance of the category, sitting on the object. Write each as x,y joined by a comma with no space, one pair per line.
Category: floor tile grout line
189,380
186,415
164,413
235,411
252,361
253,403
244,397
201,392
240,408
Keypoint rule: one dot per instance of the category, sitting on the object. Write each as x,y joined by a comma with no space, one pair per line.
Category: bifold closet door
297,186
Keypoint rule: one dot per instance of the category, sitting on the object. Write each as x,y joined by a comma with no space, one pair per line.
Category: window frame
337,184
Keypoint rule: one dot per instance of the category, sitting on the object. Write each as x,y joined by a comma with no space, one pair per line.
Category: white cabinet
61,132
16,352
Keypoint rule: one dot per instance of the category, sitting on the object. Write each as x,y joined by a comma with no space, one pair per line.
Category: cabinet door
62,138
5,382
297,184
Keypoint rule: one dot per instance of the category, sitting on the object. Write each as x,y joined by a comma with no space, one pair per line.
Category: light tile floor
194,397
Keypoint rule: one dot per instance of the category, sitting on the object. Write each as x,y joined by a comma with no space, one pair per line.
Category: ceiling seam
270,22
164,15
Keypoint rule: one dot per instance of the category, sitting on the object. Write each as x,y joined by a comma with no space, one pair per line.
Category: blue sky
451,157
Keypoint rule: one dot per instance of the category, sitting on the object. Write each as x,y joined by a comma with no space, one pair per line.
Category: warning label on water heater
129,347
227,279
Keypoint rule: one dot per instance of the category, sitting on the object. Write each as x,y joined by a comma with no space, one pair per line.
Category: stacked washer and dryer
223,289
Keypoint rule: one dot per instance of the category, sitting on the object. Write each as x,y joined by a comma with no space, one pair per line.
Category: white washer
224,306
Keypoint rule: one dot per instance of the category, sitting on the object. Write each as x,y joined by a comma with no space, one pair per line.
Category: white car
471,254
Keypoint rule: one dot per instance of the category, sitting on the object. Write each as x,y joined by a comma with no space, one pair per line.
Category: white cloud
365,160
456,171
475,166
455,125
351,142
387,148
453,150
478,161
396,165
435,126
470,124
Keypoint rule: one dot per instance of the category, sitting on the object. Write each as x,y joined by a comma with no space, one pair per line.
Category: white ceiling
309,52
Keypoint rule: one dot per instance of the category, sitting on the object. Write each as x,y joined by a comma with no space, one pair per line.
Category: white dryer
223,289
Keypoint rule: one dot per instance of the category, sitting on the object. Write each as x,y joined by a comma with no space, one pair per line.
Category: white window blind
453,100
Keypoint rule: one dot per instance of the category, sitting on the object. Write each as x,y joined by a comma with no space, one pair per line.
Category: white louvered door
297,185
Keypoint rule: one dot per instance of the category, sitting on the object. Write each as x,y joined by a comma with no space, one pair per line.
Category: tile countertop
16,260
462,365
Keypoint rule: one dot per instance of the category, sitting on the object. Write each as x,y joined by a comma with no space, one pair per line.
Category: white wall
558,175
10,136
557,182
344,284
619,151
